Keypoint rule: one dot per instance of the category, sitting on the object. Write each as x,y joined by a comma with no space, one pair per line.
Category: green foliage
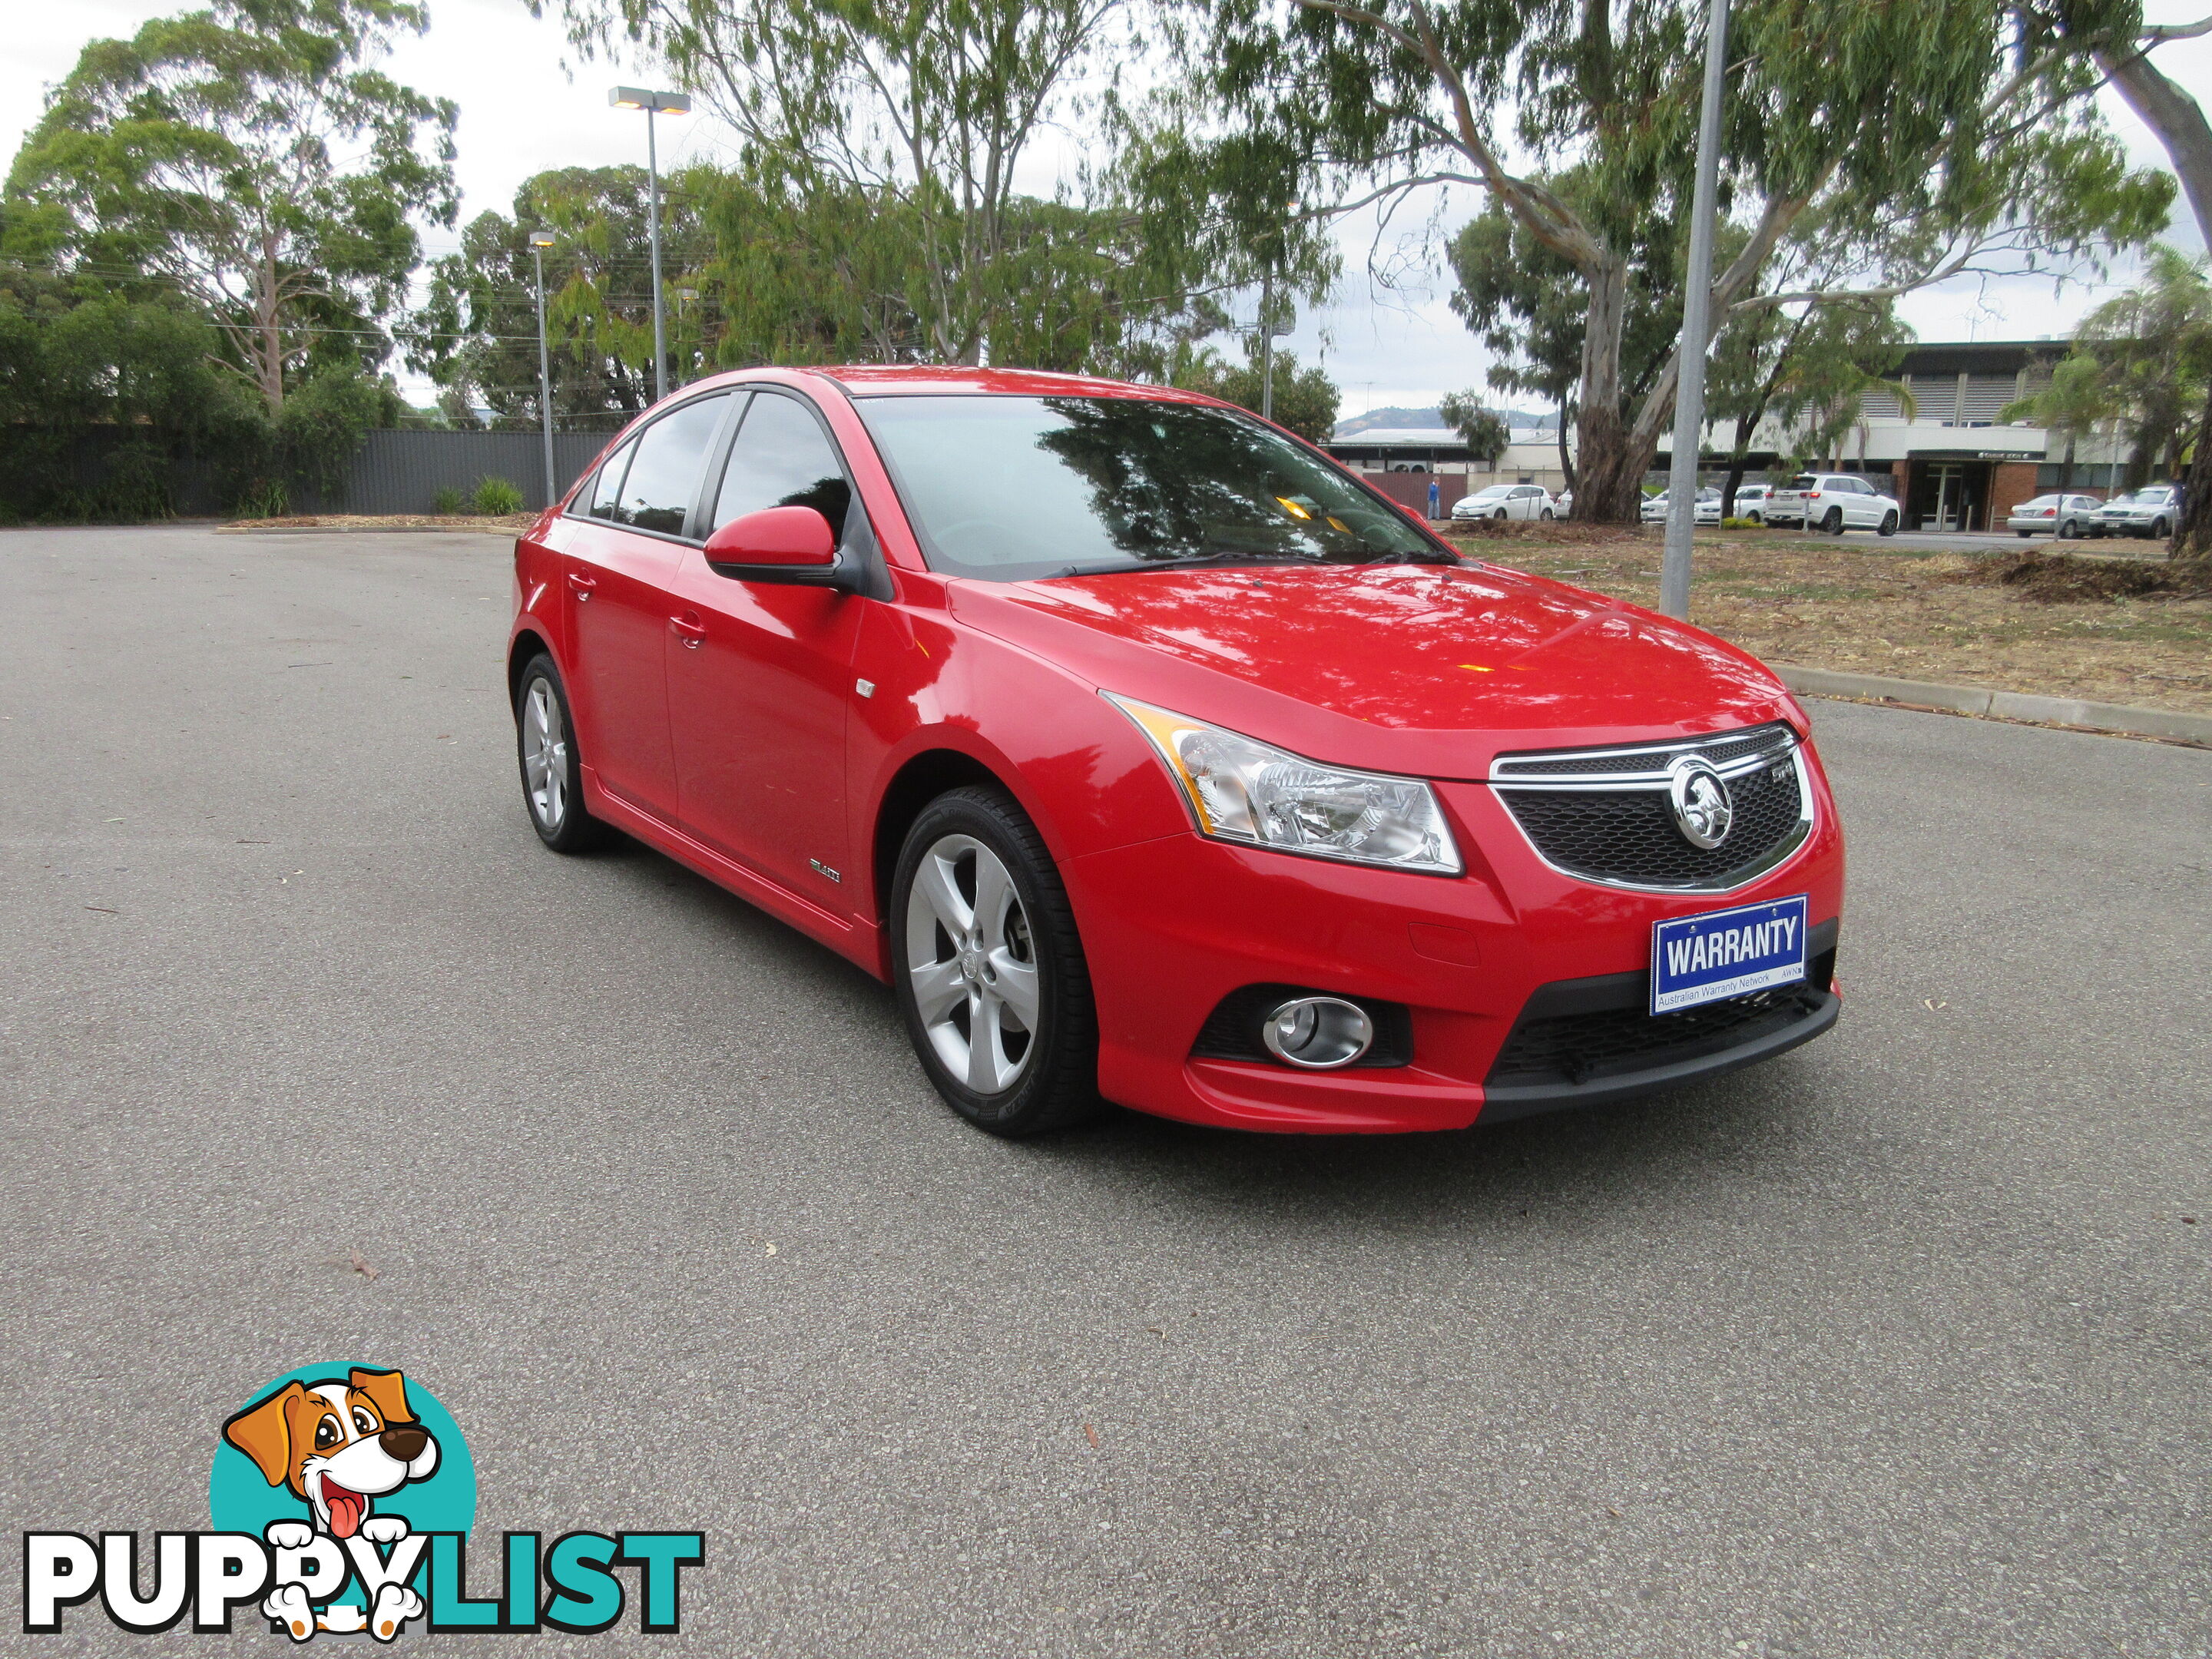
262,498
873,212
2143,360
247,156
476,333
321,425
1485,430
496,497
1909,130
101,392
1305,400
449,502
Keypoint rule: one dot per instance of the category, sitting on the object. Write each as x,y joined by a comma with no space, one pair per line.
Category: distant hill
1414,420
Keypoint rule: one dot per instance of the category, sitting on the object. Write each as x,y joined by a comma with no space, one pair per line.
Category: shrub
264,498
497,496
449,502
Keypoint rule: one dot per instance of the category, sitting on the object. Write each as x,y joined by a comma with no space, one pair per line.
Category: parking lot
1896,1348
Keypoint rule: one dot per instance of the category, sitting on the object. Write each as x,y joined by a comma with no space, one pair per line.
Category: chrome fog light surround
1317,1034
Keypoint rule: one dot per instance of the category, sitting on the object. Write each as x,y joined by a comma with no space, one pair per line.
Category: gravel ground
1896,1348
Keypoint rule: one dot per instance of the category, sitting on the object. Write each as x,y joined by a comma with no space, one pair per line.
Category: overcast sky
522,111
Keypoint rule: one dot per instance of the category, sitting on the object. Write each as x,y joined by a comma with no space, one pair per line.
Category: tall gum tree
251,155
1929,137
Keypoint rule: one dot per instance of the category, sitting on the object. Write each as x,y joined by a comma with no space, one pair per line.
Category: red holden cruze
1152,756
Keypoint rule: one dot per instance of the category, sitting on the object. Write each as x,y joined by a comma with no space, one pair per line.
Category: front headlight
1244,791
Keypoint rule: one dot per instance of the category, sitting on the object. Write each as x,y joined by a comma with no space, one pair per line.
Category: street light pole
1696,329
1267,346
539,241
654,103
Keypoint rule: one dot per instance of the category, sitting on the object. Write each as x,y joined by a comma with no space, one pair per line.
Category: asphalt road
1896,1348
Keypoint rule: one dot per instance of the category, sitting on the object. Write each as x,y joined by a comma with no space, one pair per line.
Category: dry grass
1853,606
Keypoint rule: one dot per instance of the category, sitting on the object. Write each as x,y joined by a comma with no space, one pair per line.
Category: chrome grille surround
1613,784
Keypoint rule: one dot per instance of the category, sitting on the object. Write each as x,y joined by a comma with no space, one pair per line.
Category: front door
760,674
622,563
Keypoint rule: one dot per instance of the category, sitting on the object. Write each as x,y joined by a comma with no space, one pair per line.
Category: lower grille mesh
1575,1048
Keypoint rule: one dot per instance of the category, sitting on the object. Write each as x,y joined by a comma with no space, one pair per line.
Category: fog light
1317,1033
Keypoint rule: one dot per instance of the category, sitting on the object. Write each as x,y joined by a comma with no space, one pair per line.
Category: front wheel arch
525,645
921,780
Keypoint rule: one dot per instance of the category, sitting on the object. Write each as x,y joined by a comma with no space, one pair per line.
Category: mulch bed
1859,604
488,522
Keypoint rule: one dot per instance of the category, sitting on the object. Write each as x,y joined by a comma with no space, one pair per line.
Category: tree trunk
1736,471
2192,536
1566,462
2179,121
1609,485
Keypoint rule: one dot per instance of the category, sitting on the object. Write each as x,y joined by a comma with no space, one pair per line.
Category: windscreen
1008,489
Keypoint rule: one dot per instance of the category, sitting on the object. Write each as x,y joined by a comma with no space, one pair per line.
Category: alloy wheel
971,963
544,756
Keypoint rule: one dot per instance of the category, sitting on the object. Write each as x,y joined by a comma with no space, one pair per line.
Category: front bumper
1174,927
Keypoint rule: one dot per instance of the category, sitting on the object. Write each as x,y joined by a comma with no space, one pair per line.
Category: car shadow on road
1736,1134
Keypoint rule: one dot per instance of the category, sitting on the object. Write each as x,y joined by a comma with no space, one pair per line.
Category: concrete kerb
2161,725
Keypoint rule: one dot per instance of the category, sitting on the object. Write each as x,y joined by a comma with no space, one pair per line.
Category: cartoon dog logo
339,1445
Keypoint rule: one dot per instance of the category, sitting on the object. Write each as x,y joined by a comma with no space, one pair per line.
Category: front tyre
552,773
1889,524
1500,515
989,970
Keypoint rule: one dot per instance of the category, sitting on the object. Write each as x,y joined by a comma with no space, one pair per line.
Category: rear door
760,673
622,566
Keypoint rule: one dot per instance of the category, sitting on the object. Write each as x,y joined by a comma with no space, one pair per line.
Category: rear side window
609,483
665,477
782,459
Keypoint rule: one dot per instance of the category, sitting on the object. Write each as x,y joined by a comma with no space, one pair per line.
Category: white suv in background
1835,502
1505,502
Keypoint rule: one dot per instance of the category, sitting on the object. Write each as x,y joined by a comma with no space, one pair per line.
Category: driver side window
781,458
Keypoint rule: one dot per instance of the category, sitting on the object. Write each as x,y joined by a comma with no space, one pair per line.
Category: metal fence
402,470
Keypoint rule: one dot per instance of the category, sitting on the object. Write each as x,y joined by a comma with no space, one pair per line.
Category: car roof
940,380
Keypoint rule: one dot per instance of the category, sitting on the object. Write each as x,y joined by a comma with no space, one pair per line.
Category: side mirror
793,539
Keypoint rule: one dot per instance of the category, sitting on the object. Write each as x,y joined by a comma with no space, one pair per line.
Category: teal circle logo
334,1448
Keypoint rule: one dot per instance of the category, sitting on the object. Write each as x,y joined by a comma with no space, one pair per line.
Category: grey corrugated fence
403,471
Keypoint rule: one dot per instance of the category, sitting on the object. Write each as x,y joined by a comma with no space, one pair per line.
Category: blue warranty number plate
1727,953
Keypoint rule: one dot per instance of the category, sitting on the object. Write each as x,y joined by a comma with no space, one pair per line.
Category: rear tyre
1546,515
1833,524
1753,519
2026,534
552,771
989,970
1889,524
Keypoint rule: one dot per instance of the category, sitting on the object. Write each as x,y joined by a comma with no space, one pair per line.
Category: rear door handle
581,585
689,629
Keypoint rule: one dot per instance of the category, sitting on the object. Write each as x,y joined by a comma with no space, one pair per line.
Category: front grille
1605,815
1605,1042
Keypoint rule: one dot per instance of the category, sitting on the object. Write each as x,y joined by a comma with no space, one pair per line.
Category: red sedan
1152,756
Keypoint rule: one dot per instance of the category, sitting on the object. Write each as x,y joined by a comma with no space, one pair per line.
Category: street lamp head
541,239
660,103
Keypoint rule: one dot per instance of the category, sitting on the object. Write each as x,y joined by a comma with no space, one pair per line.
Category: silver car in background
2062,515
2152,510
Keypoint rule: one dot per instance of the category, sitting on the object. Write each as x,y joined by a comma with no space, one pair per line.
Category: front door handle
689,629
581,585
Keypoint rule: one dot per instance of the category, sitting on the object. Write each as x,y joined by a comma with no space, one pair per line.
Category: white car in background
2062,515
1708,510
2153,511
1751,502
1834,502
1506,502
